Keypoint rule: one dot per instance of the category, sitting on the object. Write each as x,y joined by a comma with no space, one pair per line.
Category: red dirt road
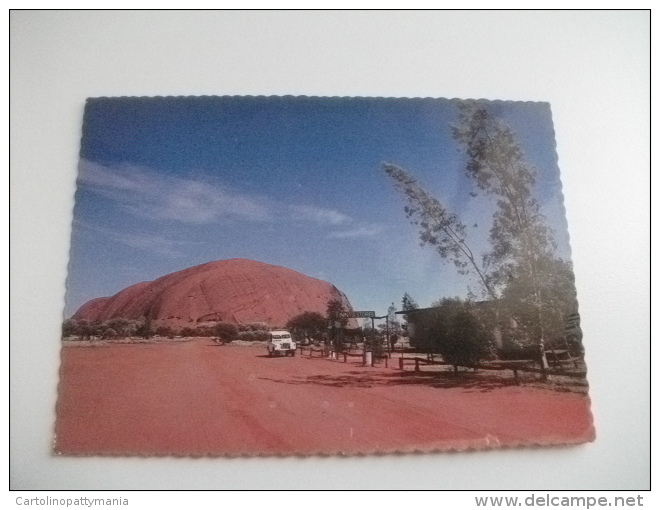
196,398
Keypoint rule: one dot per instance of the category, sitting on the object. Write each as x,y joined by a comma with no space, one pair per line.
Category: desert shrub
144,328
165,331
69,328
201,330
374,343
513,351
254,326
259,326
253,331
458,334
206,331
111,328
253,336
188,331
97,328
108,333
119,325
226,331
261,336
132,328
85,330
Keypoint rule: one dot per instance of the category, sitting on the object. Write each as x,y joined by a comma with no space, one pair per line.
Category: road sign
356,314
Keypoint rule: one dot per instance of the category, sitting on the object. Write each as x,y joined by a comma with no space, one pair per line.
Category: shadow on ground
358,379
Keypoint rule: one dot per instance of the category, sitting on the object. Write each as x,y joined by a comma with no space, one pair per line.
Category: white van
279,342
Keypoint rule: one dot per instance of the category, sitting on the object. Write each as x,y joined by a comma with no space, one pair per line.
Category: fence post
515,375
416,365
401,363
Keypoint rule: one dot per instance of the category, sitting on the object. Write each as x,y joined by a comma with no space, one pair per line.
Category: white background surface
591,66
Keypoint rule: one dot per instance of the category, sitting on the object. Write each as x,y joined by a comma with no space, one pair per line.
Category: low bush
254,326
187,331
253,336
226,331
165,331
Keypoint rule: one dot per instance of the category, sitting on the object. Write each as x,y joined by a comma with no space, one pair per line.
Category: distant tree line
120,327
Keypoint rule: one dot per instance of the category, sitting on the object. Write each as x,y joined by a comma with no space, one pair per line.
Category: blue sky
169,183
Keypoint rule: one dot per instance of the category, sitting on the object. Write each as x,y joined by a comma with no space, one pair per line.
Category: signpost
366,314
358,314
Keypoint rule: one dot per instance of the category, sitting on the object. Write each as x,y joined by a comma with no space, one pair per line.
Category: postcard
307,275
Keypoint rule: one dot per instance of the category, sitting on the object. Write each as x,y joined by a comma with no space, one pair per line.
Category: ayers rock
236,290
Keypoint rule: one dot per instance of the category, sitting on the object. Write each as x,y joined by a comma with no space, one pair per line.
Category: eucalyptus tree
520,270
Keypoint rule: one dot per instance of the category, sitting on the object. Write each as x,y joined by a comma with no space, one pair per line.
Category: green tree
392,319
458,334
407,303
521,265
307,326
366,325
109,333
537,286
551,293
334,311
225,331
84,329
69,328
392,328
119,325
144,328
438,227
495,162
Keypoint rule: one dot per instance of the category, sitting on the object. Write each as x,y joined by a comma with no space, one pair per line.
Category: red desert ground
196,397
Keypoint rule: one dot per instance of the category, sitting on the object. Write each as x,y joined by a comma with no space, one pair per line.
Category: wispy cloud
360,231
151,243
320,215
143,192
339,224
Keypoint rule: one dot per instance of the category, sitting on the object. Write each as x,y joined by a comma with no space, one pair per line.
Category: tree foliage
333,309
438,227
520,271
541,306
408,303
520,239
118,327
307,326
225,331
392,319
457,333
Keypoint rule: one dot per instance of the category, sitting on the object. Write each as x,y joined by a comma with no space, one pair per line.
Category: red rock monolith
236,290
